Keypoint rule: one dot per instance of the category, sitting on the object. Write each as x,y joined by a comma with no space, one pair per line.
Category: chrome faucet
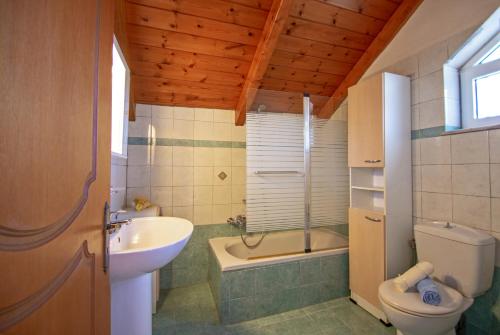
113,224
240,222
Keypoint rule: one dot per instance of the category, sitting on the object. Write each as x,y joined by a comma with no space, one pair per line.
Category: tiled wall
175,157
189,161
118,182
456,177
252,293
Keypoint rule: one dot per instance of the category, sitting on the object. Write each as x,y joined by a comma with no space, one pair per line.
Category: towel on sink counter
429,292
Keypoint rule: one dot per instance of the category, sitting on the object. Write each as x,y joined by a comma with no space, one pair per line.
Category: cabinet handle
372,160
373,219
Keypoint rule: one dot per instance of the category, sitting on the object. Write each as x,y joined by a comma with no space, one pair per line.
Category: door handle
105,255
372,161
372,219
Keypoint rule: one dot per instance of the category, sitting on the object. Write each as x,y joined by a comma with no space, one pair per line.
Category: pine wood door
55,84
366,253
366,123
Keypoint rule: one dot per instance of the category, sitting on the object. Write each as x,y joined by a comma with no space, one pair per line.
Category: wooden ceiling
234,54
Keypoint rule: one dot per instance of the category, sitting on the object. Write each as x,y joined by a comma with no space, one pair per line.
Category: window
119,108
480,87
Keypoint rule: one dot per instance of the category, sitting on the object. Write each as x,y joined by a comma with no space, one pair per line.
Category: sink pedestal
131,312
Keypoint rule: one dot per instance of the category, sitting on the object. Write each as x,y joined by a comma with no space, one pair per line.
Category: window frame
468,73
123,154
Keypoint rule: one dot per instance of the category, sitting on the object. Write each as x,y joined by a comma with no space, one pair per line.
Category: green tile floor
191,310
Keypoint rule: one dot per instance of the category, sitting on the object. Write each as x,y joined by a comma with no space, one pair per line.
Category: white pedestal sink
136,250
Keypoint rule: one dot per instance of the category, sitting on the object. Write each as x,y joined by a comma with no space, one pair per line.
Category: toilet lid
410,301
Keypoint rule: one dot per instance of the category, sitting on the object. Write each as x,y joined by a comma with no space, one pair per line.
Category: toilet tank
463,258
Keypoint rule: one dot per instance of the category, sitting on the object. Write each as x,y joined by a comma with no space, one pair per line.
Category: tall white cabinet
380,213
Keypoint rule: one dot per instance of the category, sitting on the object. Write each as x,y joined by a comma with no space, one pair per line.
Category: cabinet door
366,122
366,253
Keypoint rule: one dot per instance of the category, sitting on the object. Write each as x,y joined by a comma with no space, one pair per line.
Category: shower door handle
372,219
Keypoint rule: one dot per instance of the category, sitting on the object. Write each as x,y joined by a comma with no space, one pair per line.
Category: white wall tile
202,214
162,112
183,129
222,195
166,211
436,178
472,211
432,113
204,114
470,148
471,179
138,155
238,194
239,175
161,196
203,130
161,175
495,214
138,176
238,209
415,91
495,180
162,128
183,113
238,133
431,86
435,150
137,192
222,156
139,127
415,152
183,176
142,110
203,195
222,131
221,213
118,176
161,155
185,212
417,204
183,156
203,156
238,157
182,196
415,117
494,139
436,206
416,174
221,115
203,175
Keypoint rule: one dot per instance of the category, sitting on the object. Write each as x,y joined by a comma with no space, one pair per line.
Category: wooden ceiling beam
275,23
393,25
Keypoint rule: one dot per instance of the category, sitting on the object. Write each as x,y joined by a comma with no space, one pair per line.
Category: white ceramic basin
146,244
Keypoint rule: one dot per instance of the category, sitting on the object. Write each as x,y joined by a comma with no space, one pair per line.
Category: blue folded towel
429,292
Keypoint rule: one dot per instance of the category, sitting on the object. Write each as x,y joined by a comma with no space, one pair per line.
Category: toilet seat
410,301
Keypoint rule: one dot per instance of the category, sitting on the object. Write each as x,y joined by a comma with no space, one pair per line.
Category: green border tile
167,142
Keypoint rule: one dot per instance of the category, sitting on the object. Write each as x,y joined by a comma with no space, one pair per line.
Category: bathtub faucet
240,222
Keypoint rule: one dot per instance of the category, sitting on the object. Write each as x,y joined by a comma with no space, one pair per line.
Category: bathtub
277,275
276,247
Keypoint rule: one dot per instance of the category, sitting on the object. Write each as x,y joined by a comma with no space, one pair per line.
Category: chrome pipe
307,173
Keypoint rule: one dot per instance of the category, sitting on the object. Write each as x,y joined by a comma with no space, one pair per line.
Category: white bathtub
276,247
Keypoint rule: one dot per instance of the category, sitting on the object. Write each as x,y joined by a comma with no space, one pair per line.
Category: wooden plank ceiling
199,53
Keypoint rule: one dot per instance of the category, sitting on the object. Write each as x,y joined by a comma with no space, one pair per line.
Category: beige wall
434,21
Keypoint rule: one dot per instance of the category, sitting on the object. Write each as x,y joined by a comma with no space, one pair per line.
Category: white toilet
463,261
